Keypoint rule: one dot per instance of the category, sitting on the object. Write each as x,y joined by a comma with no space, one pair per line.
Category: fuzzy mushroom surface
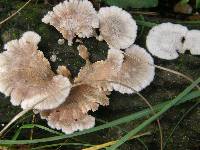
165,40
137,71
26,75
73,17
117,27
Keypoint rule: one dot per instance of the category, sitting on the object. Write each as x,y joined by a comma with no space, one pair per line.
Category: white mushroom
72,114
164,40
137,71
117,27
73,17
26,75
192,42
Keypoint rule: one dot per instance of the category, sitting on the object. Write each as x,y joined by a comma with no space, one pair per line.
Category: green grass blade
60,144
30,126
154,117
197,4
122,120
132,3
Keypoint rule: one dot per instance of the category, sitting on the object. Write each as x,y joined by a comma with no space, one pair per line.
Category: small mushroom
26,75
64,71
164,40
83,52
137,71
117,27
192,42
73,17
72,114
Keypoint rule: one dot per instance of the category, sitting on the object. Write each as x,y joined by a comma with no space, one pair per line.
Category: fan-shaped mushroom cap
117,27
192,42
26,75
164,40
137,71
72,114
73,17
101,71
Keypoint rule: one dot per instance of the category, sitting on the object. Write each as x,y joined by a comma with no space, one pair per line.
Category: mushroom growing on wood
72,115
117,27
73,17
165,40
192,42
26,75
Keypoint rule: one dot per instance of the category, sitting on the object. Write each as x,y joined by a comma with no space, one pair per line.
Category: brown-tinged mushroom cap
164,40
117,27
83,52
137,70
26,75
72,114
101,71
192,42
73,17
64,71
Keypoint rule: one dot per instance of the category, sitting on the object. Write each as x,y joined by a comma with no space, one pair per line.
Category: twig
3,21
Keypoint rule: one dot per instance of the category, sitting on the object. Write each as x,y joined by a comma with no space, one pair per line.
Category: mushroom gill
117,27
99,73
137,71
26,75
73,17
72,115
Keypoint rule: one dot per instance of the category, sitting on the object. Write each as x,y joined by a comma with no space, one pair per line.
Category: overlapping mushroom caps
26,75
73,17
72,115
117,27
126,73
165,40
99,73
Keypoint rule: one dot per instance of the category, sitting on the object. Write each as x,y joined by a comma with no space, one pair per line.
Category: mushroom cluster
73,17
26,75
166,40
78,17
